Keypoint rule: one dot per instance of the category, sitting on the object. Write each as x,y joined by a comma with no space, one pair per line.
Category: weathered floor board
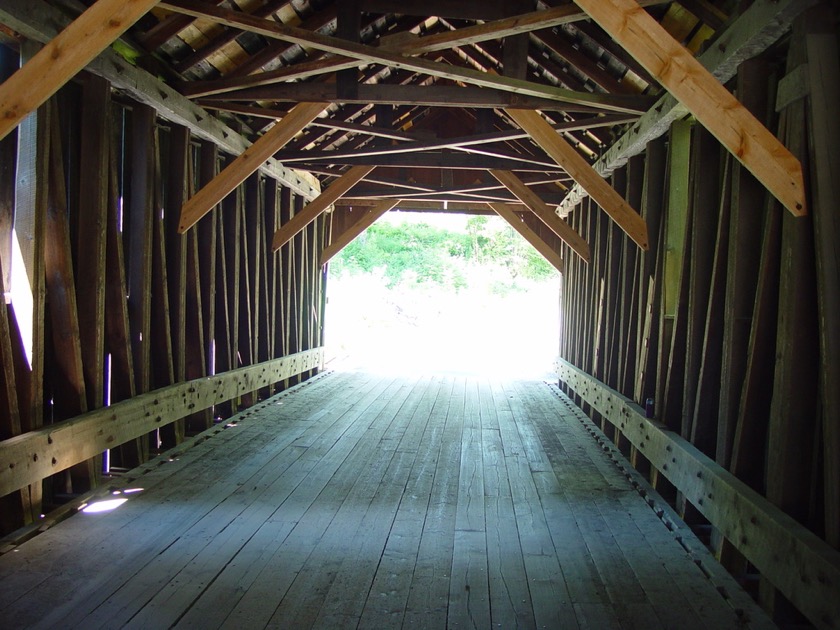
365,501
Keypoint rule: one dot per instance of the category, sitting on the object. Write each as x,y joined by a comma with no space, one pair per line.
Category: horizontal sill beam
33,456
796,561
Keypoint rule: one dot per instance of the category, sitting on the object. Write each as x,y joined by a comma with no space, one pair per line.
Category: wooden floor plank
369,501
371,510
428,596
386,603
469,593
148,476
245,484
312,507
130,541
547,580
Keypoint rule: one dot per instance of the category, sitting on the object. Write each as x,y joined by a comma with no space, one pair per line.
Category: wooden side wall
730,325
90,195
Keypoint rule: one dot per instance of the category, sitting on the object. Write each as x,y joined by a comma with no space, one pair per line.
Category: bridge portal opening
453,293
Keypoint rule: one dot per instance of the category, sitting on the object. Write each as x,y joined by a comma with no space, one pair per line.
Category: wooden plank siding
130,304
729,340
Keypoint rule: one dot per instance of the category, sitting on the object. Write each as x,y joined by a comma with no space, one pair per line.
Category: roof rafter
575,165
367,54
591,122
545,214
313,209
247,163
507,27
701,93
64,56
759,26
420,95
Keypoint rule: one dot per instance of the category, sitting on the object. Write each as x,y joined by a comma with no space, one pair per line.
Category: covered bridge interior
175,176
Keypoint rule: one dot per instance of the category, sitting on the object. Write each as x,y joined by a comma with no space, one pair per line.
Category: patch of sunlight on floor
487,329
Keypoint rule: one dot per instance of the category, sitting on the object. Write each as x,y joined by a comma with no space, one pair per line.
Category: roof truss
462,106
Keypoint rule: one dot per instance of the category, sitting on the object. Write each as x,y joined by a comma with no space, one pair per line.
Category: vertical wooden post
207,231
793,425
68,381
225,359
162,355
612,277
140,226
746,461
118,339
232,221
11,506
248,322
176,244
706,203
92,233
8,153
793,414
630,289
31,199
673,247
652,212
748,211
824,72
196,349
175,250
281,347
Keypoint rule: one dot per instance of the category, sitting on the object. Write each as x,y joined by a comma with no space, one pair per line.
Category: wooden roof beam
313,209
579,169
517,223
63,57
439,207
367,54
410,94
247,163
364,222
581,124
41,22
704,96
433,159
466,144
544,213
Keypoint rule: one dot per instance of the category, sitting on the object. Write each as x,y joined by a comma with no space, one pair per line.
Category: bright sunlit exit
434,292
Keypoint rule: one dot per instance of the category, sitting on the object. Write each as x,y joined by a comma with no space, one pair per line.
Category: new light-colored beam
711,103
313,209
63,57
545,214
365,221
577,167
247,163
516,222
755,29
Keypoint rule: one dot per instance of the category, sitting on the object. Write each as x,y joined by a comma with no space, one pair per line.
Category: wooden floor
367,501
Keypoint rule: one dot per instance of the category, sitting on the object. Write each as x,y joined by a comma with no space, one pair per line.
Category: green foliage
417,253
